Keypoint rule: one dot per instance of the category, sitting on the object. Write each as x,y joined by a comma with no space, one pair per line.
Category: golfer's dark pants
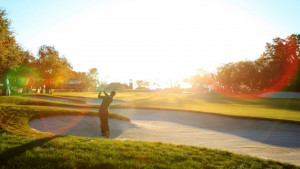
104,121
4,89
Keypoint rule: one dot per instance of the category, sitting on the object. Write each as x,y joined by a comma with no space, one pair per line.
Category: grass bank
85,153
14,118
19,100
17,111
37,95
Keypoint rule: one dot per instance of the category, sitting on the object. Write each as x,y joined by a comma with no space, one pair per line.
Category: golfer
103,112
6,90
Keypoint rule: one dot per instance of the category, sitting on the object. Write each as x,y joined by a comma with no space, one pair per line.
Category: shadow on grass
11,153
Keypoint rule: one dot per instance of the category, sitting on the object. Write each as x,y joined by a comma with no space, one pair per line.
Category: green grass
268,108
89,153
19,100
77,94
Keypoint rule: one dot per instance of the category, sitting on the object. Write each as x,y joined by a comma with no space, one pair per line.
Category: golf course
149,84
35,126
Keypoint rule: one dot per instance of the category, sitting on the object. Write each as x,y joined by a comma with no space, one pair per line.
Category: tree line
276,69
49,68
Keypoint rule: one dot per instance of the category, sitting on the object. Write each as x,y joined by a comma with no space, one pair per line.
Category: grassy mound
37,95
19,100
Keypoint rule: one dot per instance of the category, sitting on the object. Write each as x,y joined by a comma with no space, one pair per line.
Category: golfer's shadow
11,153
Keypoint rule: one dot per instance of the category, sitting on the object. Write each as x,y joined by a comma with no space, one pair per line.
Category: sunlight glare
157,39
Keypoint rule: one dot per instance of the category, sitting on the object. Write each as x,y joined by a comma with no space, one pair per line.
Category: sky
160,41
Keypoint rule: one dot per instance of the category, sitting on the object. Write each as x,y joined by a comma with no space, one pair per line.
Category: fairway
265,108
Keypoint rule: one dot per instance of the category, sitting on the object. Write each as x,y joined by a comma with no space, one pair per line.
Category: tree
245,76
282,60
199,81
86,80
146,84
275,69
25,74
225,77
54,69
10,52
139,83
142,84
93,73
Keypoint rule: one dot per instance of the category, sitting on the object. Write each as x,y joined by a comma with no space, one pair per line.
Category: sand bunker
84,126
264,139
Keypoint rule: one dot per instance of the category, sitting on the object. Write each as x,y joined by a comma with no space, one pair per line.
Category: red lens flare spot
291,69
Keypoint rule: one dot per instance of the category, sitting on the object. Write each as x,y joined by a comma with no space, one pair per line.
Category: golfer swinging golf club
103,112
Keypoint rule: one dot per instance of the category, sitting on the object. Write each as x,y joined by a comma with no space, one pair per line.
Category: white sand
264,139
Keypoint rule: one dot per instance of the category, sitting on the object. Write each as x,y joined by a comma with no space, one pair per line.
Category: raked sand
260,138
